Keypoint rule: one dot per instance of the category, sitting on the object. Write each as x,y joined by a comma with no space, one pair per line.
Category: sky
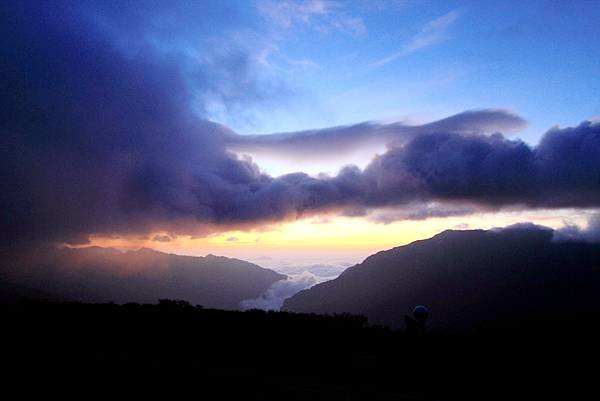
298,131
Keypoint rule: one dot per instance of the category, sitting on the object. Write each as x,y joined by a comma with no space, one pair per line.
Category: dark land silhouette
175,350
467,278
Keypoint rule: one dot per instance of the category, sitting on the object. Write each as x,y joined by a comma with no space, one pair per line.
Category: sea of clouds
299,277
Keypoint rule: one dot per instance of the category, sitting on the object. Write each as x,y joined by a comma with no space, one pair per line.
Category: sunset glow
333,238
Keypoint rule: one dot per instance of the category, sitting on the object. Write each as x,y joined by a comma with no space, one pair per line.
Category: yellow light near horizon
336,234
348,232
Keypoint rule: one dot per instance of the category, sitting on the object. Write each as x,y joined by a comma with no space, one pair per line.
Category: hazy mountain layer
466,278
107,275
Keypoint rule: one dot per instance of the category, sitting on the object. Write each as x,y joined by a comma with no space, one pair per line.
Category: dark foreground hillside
174,351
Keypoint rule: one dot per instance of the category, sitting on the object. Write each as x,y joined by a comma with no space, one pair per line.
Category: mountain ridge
96,274
466,277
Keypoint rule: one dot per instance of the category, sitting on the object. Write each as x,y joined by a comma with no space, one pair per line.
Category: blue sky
341,62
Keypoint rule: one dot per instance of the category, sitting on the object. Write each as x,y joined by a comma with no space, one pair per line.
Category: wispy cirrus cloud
322,15
433,32
289,13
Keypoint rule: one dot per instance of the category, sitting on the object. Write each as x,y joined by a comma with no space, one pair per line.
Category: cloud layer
321,144
571,232
273,298
322,15
99,137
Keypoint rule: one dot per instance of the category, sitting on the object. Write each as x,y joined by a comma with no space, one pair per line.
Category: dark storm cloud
562,171
99,139
321,143
95,139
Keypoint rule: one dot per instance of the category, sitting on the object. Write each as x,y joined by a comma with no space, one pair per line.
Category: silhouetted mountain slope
466,277
107,275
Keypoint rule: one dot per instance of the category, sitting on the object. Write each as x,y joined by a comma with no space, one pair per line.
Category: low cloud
421,212
273,298
571,232
321,271
162,238
300,277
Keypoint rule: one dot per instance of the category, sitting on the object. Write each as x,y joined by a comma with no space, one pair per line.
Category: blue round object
421,312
